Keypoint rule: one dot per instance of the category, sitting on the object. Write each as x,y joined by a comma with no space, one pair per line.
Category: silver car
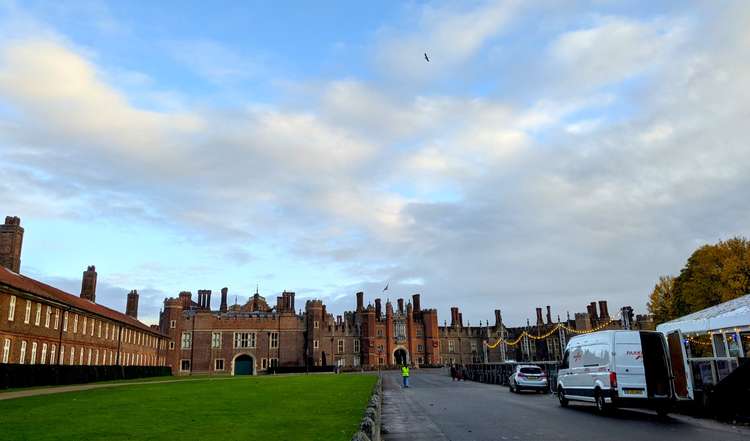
528,377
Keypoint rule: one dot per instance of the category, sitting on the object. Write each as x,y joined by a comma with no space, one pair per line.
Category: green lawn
304,407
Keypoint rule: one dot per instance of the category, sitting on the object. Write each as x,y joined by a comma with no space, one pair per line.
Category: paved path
435,408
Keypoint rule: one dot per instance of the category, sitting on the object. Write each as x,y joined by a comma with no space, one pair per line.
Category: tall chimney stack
360,301
416,303
498,318
132,307
549,315
11,242
224,292
454,316
603,313
401,306
594,316
539,320
88,284
378,309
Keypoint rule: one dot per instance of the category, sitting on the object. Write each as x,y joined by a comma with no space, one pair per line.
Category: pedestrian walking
453,372
405,374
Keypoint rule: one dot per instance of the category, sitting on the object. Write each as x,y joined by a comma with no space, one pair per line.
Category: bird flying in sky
426,57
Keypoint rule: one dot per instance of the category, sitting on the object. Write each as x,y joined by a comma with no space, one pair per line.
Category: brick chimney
539,320
603,313
498,318
378,309
549,315
416,303
11,241
88,284
224,292
401,306
454,316
132,306
360,301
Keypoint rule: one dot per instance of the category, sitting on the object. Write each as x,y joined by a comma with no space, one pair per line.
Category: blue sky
551,153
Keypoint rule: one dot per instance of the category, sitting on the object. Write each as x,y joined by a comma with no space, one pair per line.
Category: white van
625,369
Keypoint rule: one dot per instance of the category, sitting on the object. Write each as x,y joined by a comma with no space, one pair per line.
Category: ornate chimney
132,307
88,284
11,241
224,292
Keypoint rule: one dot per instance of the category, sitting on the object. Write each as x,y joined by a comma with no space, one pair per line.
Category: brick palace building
42,324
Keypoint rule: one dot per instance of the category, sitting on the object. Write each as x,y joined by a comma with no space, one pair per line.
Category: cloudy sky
550,153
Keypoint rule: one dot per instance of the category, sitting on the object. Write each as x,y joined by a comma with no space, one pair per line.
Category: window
65,321
451,346
274,342
263,363
380,332
244,339
28,312
12,309
83,328
473,346
381,361
273,362
316,344
33,353
92,327
219,364
340,346
43,360
72,355
62,354
185,365
355,360
420,333
75,323
57,317
216,340
80,357
22,356
420,360
316,324
400,328
173,324
99,330
48,317
187,340
171,345
356,346
96,357
6,350
106,331
420,348
52,354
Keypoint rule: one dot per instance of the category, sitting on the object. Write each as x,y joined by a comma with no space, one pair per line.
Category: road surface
435,408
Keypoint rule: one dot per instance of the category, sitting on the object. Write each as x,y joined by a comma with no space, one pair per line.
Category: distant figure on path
405,374
454,374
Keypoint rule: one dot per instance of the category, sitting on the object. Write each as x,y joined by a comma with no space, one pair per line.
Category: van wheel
601,405
561,397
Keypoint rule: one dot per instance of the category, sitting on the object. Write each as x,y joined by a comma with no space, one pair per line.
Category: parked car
625,369
528,377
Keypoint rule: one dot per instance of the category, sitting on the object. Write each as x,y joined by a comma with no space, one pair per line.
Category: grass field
304,407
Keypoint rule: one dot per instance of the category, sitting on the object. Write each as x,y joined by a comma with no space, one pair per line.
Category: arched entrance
243,364
400,356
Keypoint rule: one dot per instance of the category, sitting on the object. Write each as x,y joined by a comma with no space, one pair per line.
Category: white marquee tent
731,315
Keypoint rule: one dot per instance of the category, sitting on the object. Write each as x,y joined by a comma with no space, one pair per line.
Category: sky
549,153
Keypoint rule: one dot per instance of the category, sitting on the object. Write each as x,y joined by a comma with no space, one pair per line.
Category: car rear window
531,370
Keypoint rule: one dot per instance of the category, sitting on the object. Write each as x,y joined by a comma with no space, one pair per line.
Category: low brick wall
369,427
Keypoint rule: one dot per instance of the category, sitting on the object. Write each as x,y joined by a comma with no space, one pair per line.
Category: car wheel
601,405
561,397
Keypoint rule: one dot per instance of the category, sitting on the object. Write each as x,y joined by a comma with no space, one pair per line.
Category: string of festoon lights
550,332
696,341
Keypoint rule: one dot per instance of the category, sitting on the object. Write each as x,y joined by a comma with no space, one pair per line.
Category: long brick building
42,324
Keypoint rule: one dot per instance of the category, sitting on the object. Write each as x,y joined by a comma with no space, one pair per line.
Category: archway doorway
244,365
400,356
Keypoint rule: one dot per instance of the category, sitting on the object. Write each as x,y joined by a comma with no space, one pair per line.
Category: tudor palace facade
40,324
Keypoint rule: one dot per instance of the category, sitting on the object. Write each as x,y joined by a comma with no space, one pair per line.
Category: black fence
499,373
25,375
299,369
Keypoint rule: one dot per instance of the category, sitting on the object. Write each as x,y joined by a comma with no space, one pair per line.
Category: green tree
661,299
713,274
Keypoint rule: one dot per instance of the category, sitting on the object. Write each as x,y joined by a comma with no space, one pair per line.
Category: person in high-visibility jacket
405,375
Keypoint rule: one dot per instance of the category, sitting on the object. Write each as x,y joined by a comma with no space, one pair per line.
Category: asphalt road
435,408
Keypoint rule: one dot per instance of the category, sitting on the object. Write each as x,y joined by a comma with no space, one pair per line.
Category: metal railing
498,373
